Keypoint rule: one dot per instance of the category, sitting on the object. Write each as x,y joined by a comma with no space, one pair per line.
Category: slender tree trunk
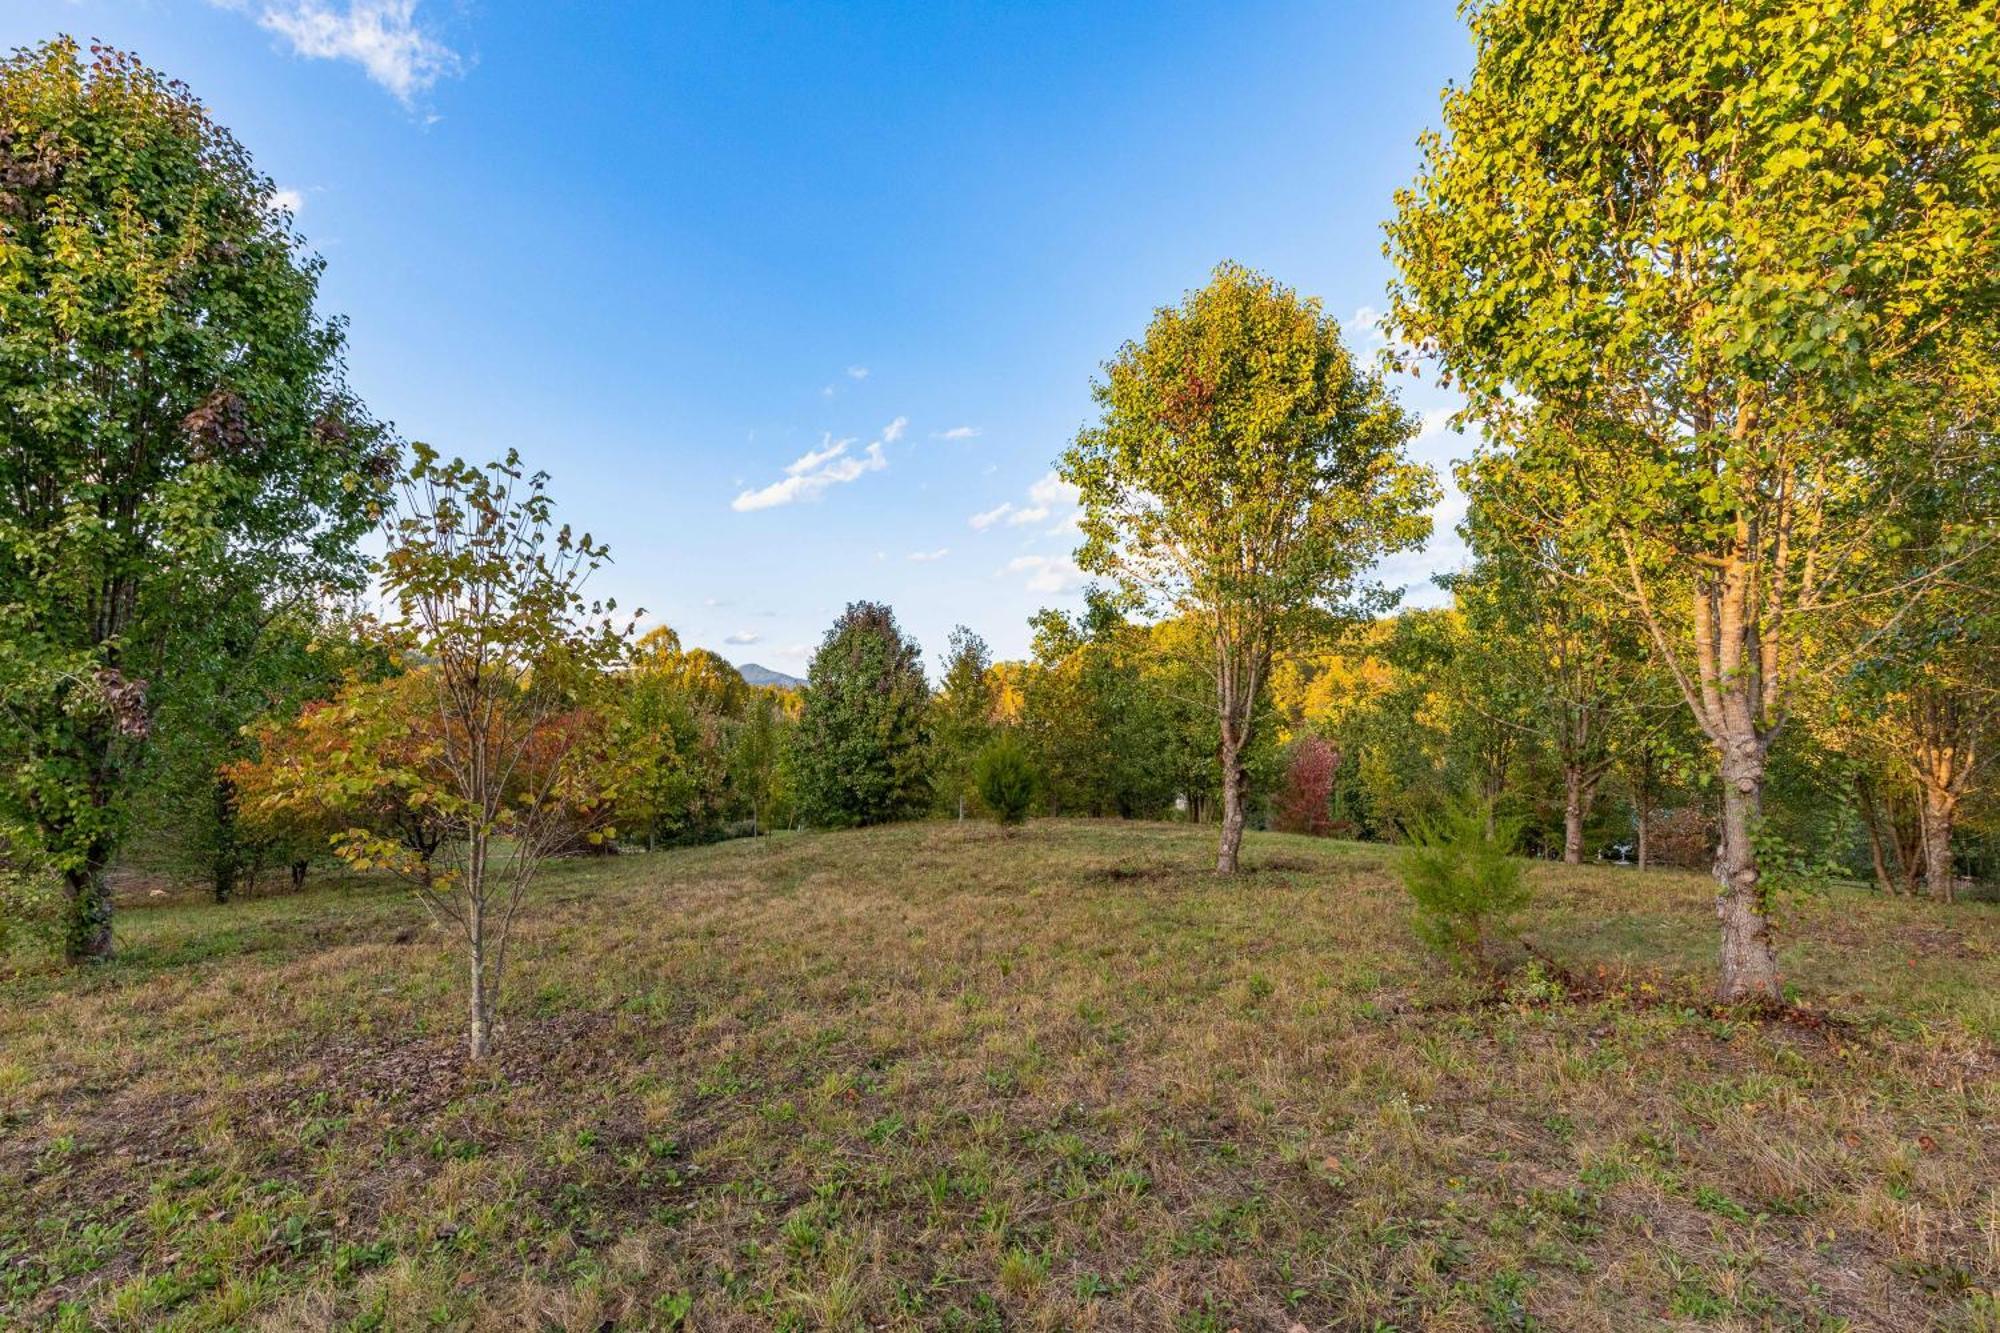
1576,808
482,1014
475,932
88,933
1234,784
1940,812
1645,823
1749,954
226,862
1870,820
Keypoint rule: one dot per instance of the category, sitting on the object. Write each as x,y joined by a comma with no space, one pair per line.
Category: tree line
1718,288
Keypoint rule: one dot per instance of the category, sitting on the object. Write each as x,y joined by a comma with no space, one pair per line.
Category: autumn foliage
1304,802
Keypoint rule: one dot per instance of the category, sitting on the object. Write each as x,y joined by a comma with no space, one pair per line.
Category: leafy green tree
361,767
1460,869
1005,778
859,752
1704,261
756,757
1246,473
1574,653
488,594
961,717
176,435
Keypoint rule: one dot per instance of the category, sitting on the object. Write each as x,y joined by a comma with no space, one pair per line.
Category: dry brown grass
927,1077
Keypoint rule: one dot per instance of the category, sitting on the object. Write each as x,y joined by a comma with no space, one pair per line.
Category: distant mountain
763,675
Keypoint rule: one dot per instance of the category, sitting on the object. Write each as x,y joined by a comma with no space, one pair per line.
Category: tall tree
1574,652
1245,472
173,428
860,747
961,717
1690,258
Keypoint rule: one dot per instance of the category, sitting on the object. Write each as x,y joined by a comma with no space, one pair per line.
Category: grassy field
931,1077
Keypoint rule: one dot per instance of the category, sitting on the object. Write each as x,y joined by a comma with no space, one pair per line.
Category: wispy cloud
957,433
286,200
925,557
814,471
1364,327
743,638
1047,573
857,372
1049,498
384,37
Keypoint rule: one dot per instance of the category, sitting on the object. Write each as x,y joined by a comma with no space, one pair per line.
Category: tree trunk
1940,812
227,862
1645,823
87,935
1870,820
481,1043
1234,784
298,875
1749,955
1576,807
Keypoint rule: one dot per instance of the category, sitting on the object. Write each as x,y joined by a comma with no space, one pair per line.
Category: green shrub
1460,869
31,910
1005,779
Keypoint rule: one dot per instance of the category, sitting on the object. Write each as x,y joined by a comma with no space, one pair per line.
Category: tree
961,717
258,659
175,431
1005,779
755,759
1246,473
860,749
1702,261
360,768
1926,699
1305,802
1575,653
488,597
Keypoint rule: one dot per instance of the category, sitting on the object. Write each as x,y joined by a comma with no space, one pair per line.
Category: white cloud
925,557
857,372
807,476
1050,497
1047,573
981,522
830,448
957,433
743,638
286,200
1364,327
817,469
381,36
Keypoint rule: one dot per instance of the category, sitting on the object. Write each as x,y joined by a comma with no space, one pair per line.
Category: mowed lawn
935,1077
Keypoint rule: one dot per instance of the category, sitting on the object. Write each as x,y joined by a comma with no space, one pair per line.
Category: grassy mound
931,1077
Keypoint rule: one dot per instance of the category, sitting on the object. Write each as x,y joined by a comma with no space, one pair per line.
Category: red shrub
1303,804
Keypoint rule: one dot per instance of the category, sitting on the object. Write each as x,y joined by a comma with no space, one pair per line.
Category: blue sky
798,303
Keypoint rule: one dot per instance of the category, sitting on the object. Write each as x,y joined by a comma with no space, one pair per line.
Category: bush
31,910
1460,869
1305,801
1005,780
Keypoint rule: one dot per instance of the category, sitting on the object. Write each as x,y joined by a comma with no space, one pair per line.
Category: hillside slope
932,1077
